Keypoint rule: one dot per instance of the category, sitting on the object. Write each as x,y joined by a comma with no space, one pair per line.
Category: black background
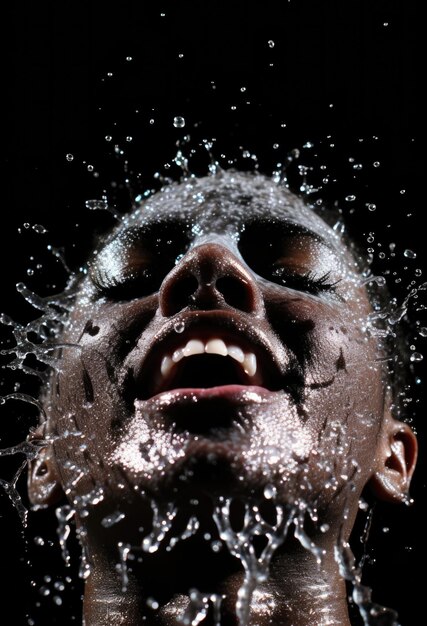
345,76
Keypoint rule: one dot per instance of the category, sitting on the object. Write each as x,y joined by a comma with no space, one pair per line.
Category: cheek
86,410
344,399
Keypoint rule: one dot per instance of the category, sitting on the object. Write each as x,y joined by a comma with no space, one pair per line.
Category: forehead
227,205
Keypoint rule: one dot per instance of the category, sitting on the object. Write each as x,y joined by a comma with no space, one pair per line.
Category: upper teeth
213,346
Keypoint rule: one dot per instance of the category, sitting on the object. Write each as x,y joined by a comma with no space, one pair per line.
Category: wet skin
235,259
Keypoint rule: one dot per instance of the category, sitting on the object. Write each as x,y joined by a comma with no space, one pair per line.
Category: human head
222,349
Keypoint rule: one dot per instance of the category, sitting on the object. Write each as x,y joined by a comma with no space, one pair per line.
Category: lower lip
236,394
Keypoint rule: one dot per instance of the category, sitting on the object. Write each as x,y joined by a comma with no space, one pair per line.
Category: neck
298,592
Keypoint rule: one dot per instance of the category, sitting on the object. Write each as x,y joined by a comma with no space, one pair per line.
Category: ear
396,462
44,485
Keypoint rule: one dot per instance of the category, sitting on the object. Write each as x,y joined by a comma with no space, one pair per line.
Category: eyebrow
288,227
307,232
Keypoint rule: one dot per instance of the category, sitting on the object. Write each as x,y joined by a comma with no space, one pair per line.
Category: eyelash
307,282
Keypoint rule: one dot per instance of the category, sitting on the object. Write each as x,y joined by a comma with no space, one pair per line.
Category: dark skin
223,350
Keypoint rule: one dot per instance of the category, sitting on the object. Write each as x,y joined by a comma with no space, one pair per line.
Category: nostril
236,293
180,294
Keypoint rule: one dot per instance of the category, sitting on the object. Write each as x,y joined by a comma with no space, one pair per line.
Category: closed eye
135,262
305,282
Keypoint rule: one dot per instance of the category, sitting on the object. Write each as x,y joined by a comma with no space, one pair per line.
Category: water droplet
271,43
39,229
109,74
151,121
416,357
423,331
44,591
30,272
243,89
57,600
39,541
410,254
129,138
178,121
371,206
350,198
270,492
114,518
379,280
108,138
96,205
128,58
152,604
376,163
179,327
69,157
324,528
216,546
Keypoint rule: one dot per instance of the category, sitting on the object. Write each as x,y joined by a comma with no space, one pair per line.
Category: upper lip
272,358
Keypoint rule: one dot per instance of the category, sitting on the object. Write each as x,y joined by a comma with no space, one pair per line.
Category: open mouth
201,361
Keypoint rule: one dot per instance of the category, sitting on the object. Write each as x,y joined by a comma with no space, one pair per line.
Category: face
221,346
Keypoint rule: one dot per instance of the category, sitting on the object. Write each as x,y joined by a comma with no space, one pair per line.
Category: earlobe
397,459
44,486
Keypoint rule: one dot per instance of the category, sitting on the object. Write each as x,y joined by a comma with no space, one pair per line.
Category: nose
209,277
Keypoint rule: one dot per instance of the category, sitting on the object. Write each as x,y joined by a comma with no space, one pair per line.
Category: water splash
190,530
64,514
371,613
47,329
10,489
163,516
124,551
39,337
198,608
240,544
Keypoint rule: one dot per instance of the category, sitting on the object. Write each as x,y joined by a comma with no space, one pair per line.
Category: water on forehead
225,203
